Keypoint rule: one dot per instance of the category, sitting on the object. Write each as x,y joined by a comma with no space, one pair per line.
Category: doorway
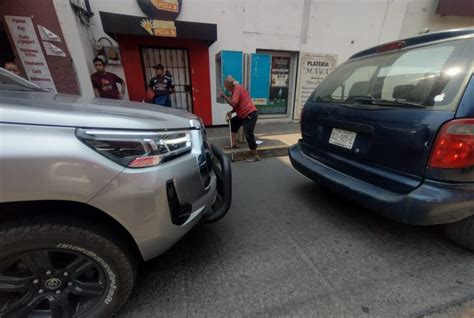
282,84
176,62
6,51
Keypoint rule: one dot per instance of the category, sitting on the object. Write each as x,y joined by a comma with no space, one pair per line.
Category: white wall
81,39
341,27
421,14
77,44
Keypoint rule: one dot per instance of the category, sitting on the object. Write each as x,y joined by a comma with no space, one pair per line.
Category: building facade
279,49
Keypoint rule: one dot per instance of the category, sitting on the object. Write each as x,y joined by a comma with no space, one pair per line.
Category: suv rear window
430,76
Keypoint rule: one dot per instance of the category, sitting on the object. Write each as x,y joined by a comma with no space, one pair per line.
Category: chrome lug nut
36,281
50,298
65,274
40,291
49,272
69,284
58,292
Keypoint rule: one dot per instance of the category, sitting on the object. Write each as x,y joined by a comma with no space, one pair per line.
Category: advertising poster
279,89
313,68
29,50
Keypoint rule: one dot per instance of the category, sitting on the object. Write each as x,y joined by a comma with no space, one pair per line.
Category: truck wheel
462,232
62,268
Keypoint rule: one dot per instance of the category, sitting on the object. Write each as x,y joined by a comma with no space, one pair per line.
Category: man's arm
229,101
122,84
96,92
171,87
234,100
124,88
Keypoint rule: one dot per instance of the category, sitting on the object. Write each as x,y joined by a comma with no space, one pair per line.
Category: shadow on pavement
288,247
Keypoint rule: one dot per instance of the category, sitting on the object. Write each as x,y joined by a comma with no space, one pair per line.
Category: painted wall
78,40
340,27
44,13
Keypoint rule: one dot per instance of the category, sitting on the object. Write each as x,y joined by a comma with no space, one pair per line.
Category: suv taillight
454,145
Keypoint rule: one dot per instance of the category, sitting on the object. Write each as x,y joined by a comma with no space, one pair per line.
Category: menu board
29,50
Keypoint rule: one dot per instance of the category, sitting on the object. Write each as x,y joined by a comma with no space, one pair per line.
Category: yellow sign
159,28
260,101
167,5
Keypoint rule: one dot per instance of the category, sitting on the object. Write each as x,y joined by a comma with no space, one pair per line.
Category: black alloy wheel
49,283
63,267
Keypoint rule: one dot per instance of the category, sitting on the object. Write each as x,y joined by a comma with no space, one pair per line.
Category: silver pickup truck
88,189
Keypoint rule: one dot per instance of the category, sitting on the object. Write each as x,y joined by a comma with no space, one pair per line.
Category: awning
456,7
114,23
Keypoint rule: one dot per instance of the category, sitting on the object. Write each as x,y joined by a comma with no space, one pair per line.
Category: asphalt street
288,248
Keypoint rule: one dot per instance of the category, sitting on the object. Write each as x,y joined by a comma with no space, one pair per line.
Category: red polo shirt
241,102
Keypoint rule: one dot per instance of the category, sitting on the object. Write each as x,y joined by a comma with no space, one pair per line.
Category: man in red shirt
105,83
247,115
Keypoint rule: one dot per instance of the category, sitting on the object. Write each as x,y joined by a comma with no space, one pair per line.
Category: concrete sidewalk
275,139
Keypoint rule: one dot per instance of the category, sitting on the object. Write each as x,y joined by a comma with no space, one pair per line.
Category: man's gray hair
230,80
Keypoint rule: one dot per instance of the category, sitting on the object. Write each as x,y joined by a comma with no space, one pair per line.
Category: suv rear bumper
431,203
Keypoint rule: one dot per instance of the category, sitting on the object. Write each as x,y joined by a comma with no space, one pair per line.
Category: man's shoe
253,159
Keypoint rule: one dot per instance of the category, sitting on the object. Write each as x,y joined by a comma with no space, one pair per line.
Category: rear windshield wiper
386,102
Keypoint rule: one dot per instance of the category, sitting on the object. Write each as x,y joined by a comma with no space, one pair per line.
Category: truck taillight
454,145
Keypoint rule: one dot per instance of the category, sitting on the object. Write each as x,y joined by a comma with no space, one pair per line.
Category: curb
241,154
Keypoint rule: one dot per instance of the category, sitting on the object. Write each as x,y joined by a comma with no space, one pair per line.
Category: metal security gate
176,62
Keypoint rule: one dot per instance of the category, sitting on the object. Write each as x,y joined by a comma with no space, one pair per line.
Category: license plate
342,138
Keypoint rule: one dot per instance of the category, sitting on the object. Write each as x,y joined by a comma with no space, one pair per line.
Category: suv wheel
53,268
462,232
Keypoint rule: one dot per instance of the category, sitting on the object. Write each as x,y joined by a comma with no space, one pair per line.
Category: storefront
181,47
165,32
280,52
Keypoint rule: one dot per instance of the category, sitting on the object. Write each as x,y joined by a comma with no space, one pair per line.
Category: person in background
162,87
12,67
105,83
247,115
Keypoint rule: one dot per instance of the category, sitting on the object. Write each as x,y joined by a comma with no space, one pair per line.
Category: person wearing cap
247,115
162,86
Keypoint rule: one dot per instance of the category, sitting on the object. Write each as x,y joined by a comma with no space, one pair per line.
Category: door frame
141,47
294,57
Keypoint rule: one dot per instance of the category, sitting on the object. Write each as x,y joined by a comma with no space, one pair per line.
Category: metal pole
230,136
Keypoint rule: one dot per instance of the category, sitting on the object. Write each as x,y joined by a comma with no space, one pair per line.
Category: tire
462,232
92,273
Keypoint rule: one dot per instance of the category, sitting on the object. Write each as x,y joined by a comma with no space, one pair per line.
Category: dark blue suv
393,129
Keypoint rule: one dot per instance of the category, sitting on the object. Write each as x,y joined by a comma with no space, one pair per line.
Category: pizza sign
167,5
159,28
161,9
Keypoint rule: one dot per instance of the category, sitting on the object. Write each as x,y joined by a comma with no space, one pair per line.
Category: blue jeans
163,100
